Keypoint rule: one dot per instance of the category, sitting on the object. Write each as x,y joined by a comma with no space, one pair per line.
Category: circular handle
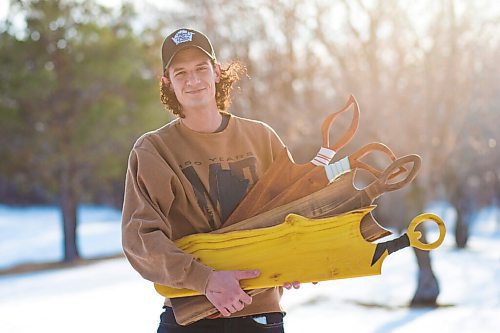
415,236
397,165
355,159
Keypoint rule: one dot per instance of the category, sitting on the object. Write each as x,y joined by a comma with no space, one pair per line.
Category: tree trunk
427,286
69,203
462,201
395,211
461,228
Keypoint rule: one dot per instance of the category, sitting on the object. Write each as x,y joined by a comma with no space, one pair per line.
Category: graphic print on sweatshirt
228,181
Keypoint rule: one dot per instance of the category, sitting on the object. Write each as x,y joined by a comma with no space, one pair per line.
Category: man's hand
224,291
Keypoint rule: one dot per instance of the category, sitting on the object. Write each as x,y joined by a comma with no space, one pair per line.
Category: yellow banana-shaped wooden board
299,249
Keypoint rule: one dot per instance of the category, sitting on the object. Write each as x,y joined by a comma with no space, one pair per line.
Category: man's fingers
294,284
225,293
241,275
238,306
245,298
223,311
233,307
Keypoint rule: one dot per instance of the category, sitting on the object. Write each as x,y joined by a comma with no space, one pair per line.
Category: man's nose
193,78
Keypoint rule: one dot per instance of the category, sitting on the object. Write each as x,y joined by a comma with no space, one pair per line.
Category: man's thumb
241,275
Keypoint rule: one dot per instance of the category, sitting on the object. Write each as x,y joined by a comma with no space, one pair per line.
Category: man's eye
178,74
203,68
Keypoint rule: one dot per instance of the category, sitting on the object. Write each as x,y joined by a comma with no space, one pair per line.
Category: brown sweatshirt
181,182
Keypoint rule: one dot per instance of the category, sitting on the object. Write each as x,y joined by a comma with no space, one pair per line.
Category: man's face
193,77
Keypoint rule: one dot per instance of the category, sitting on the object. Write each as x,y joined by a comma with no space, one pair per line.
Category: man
187,177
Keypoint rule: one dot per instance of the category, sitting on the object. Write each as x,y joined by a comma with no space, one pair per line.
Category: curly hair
223,89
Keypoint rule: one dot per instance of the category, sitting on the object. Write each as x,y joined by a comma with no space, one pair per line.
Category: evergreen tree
77,90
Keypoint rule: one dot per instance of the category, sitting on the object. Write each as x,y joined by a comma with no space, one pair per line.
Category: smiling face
193,77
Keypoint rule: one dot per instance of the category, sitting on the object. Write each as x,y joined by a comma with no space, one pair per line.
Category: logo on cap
183,36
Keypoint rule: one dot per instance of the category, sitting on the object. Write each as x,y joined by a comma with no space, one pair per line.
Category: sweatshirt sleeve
146,227
277,144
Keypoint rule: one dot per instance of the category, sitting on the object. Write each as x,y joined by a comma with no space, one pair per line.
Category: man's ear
165,80
217,72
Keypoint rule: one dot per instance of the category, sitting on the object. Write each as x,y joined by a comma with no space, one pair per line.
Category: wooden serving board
299,249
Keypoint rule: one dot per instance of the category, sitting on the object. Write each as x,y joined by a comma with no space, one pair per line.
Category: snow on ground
109,296
34,234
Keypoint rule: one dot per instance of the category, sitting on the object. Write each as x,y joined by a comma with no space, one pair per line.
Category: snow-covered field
109,296
34,234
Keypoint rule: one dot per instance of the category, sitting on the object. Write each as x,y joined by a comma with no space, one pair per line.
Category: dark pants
223,325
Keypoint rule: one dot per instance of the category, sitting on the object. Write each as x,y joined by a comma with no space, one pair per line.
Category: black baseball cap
181,39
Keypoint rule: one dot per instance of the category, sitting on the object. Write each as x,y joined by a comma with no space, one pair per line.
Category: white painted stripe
336,169
329,173
345,163
323,157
